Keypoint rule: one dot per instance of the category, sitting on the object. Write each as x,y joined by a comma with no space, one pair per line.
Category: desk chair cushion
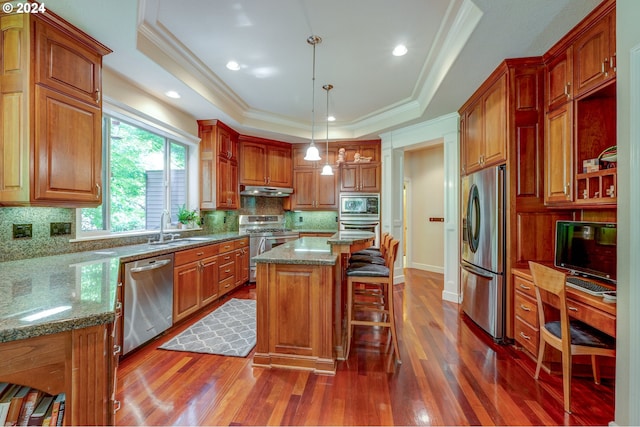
368,251
370,270
367,258
583,334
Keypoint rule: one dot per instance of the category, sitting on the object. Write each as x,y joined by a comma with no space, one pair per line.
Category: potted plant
194,218
184,216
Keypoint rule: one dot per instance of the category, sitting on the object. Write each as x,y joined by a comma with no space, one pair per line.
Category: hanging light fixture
312,152
326,169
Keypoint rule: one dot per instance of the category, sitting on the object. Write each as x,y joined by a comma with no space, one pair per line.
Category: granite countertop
80,286
348,237
306,251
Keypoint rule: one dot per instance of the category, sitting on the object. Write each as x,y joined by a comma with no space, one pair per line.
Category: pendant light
312,152
326,169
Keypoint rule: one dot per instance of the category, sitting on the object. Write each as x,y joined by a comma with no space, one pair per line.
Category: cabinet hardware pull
227,271
99,191
118,308
612,62
524,307
116,406
199,253
526,337
524,287
97,96
566,89
116,350
570,308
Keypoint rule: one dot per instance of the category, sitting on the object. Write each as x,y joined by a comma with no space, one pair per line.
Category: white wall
628,314
424,178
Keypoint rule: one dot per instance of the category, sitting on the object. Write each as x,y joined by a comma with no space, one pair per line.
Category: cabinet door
208,158
591,57
63,64
559,86
304,189
186,290
224,142
227,183
209,280
558,156
326,191
349,177
298,153
253,165
67,150
278,165
472,150
495,123
369,178
242,266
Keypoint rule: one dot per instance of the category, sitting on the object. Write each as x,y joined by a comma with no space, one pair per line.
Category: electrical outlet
59,228
22,231
300,218
224,219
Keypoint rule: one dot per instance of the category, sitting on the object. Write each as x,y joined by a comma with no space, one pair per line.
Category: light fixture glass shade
327,170
313,155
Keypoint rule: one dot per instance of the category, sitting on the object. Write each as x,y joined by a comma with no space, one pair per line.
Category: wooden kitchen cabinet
52,121
242,262
594,54
558,149
78,363
360,176
484,139
218,166
313,191
195,280
559,81
265,162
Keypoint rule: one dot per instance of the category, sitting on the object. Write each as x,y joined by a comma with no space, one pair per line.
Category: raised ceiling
453,45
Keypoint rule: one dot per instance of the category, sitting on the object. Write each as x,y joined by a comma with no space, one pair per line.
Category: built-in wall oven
360,212
265,233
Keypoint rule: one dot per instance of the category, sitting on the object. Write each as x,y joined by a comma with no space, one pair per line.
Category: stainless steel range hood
260,191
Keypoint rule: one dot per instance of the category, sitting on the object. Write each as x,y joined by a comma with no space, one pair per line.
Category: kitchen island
300,313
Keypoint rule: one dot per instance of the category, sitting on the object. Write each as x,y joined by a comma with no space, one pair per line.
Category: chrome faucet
162,221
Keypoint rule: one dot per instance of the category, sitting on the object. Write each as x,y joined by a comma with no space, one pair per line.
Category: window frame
164,130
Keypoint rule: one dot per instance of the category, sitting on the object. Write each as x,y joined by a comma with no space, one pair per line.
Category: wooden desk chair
550,292
373,274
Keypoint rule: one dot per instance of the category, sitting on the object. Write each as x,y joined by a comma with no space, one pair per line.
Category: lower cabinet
204,274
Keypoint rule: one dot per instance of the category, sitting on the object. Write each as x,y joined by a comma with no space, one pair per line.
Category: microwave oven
361,205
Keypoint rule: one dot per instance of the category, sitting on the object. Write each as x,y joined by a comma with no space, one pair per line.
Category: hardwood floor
452,374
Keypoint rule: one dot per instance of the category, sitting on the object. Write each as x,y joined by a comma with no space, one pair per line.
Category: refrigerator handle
476,272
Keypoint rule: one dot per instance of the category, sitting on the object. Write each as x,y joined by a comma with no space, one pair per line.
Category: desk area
590,309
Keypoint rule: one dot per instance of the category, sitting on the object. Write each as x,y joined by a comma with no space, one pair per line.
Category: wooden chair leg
566,380
349,314
596,369
540,356
392,321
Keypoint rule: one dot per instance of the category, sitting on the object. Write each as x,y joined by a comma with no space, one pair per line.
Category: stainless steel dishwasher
148,300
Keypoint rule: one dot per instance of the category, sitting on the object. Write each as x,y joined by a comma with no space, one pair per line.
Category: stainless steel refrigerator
482,266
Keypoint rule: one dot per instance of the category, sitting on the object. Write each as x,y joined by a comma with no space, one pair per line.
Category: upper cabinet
581,113
51,101
359,166
484,125
313,191
265,162
218,166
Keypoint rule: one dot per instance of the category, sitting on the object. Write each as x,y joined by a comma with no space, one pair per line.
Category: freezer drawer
483,299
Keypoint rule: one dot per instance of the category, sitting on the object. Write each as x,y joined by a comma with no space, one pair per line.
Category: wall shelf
599,187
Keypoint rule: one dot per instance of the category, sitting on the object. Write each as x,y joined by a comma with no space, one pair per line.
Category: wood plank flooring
452,374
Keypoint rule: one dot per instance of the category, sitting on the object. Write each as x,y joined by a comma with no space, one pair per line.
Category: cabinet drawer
527,309
527,336
227,246
241,243
524,286
224,258
226,285
226,270
592,316
189,255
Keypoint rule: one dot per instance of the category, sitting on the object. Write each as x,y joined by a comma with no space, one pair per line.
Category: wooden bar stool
373,274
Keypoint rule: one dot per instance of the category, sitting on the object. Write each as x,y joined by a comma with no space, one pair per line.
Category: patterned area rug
230,331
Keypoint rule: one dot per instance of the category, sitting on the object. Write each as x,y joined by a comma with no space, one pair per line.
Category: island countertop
306,250
74,290
349,237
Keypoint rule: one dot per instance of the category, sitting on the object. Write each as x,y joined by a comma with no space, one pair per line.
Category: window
145,173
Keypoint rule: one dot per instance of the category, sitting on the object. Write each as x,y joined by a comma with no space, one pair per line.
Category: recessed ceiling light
399,50
172,94
233,65
331,119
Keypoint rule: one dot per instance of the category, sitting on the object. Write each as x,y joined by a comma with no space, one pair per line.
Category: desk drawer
527,336
592,316
527,309
524,286
195,254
